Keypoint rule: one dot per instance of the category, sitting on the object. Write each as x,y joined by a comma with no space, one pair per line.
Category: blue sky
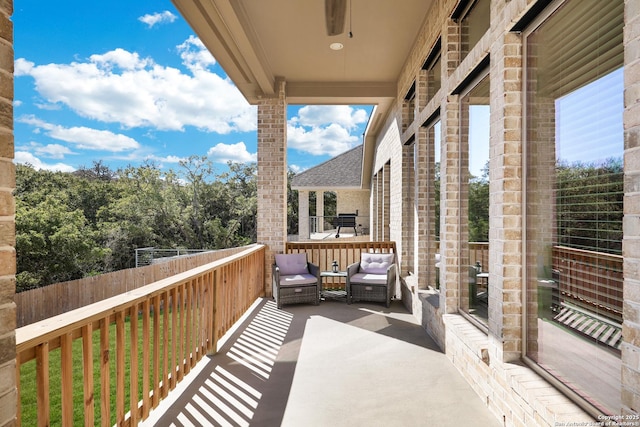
125,82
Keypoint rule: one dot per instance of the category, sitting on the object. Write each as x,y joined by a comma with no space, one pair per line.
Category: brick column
375,219
451,236
408,210
505,202
631,221
303,215
8,393
272,177
424,222
386,201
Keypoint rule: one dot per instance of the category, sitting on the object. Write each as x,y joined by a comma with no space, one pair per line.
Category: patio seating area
328,365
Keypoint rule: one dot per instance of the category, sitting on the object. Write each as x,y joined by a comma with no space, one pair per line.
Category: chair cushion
298,279
369,279
375,263
290,264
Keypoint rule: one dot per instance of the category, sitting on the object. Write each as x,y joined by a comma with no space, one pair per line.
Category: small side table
338,294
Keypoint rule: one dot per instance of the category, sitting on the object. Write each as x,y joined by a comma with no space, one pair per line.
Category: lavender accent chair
295,280
372,279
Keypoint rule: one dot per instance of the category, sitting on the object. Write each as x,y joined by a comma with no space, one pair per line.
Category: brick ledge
513,391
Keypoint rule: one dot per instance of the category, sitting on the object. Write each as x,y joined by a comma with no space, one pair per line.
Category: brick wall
8,393
515,393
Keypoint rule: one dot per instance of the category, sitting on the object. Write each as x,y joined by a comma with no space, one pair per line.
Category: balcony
208,347
205,347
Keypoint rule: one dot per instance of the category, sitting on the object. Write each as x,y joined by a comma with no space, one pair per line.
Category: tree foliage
73,225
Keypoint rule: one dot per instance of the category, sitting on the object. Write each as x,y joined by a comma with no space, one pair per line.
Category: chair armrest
275,279
314,270
353,269
391,275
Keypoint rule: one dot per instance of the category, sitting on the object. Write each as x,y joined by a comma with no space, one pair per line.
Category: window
476,19
409,107
433,67
474,197
574,191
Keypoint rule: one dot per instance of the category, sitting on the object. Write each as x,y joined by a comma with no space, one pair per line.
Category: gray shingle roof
344,170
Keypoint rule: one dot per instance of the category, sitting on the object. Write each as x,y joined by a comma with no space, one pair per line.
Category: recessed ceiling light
336,46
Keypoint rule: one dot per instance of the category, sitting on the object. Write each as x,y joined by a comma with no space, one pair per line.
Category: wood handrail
172,323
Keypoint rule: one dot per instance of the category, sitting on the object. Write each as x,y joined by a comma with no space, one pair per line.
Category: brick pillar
8,394
631,239
424,222
303,215
374,208
386,201
450,216
505,203
272,177
408,210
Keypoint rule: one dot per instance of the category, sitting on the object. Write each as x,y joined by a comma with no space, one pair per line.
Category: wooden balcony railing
111,362
591,280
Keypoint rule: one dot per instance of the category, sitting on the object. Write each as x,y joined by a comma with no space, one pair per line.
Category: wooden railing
111,362
344,252
592,280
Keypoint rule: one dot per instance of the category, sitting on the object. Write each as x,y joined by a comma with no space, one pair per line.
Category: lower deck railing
111,362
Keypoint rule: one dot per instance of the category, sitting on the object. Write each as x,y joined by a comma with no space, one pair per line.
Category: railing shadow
249,381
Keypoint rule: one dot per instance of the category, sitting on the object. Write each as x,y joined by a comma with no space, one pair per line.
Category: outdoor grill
346,220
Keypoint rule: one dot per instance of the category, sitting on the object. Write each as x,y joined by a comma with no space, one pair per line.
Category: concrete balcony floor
328,365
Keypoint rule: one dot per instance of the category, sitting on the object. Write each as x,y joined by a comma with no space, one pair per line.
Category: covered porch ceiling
258,42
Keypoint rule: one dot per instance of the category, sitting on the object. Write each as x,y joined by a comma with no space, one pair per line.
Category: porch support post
272,177
505,202
303,215
452,229
424,221
408,211
8,391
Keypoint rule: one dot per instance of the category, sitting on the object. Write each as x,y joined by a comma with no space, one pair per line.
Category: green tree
54,244
479,207
292,206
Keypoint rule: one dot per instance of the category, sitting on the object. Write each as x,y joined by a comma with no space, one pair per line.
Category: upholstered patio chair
295,280
373,278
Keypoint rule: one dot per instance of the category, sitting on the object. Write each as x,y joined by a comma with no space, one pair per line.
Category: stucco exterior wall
352,201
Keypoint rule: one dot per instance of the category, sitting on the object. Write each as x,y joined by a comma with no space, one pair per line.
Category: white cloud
120,87
325,129
152,19
195,55
84,137
331,140
167,159
121,59
52,151
222,153
320,115
297,169
23,157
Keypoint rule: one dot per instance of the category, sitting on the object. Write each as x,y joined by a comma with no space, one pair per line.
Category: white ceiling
258,41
